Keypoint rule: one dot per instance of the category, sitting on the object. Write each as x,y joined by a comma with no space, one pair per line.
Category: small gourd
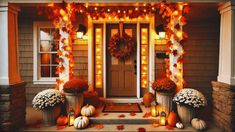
198,124
88,110
81,122
179,125
172,119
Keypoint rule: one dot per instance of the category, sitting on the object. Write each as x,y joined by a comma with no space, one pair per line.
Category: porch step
126,118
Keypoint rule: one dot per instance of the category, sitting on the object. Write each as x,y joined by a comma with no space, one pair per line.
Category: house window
45,53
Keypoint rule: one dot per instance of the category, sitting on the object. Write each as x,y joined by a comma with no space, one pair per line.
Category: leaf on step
60,127
91,125
147,114
105,114
120,127
99,126
121,116
95,115
132,114
141,129
155,125
169,127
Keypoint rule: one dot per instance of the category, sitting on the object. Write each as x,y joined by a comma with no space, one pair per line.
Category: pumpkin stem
87,105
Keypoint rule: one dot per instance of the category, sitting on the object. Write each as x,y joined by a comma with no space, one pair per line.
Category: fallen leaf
105,114
147,114
120,127
141,129
91,126
169,127
121,116
99,126
155,125
95,115
132,114
60,127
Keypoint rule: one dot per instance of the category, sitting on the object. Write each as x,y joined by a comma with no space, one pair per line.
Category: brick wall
223,98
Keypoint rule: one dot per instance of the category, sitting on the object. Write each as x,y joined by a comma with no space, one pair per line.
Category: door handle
135,69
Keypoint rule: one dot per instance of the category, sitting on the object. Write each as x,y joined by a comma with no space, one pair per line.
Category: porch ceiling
113,2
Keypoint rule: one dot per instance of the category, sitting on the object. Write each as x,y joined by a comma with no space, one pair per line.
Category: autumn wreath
115,43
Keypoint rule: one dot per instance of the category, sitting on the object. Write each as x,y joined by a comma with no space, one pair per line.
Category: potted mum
49,102
164,89
187,101
74,89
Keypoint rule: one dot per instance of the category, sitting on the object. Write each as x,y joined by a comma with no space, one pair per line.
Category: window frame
37,79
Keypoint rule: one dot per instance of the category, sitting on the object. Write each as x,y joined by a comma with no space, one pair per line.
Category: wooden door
121,74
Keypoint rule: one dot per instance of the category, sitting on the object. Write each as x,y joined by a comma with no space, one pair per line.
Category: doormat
122,107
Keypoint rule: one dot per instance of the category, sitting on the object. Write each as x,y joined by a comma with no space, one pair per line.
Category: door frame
91,56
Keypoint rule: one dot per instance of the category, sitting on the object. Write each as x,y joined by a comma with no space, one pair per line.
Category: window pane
45,58
45,46
45,34
45,71
53,72
54,56
54,45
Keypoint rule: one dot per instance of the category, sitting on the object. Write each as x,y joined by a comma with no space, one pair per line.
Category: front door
121,74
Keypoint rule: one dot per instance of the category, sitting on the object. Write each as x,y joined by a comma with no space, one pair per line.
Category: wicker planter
186,114
74,101
50,115
164,101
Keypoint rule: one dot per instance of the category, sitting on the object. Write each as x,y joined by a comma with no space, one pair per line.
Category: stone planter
50,115
164,101
74,101
186,113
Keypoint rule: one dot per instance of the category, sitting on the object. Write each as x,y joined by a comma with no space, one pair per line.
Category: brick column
12,89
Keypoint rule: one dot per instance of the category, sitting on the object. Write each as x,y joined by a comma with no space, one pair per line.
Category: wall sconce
81,31
71,117
160,31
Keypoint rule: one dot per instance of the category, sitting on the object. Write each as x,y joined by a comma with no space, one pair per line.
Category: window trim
36,78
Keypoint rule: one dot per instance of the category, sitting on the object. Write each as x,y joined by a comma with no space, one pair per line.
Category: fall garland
116,41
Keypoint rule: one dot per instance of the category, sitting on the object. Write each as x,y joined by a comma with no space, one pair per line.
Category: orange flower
164,85
75,85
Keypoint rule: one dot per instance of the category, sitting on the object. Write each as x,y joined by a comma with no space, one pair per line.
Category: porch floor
131,122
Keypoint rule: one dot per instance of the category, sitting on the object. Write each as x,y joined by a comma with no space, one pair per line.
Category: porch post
227,44
12,89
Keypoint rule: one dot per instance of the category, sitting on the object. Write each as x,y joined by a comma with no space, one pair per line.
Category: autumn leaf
121,116
147,114
141,129
175,52
120,127
105,114
91,125
99,126
60,127
132,114
169,127
186,9
95,115
155,125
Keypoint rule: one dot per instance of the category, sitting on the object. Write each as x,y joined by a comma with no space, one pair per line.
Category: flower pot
74,101
164,101
186,113
50,115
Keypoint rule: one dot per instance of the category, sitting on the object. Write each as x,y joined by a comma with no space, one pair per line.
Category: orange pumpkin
62,120
172,119
148,99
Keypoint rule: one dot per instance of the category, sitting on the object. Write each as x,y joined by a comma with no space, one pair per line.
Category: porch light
160,31
81,31
154,111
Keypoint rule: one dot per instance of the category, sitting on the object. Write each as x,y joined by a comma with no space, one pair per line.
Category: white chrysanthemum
190,97
47,98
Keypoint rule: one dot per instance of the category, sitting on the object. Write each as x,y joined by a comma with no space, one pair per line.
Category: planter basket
164,101
74,101
50,115
186,113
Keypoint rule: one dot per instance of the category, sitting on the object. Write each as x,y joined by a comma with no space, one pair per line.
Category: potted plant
164,89
48,101
74,89
187,101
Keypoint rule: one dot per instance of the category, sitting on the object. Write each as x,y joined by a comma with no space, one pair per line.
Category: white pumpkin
179,125
81,122
198,124
88,110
